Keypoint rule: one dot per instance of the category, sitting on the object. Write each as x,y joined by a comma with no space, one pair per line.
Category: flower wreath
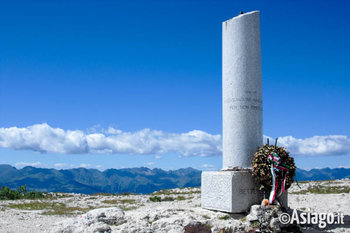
274,169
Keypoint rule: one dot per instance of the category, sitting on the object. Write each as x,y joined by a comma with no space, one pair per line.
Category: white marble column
242,89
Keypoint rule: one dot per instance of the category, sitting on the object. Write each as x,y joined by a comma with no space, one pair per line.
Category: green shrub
20,193
155,199
225,217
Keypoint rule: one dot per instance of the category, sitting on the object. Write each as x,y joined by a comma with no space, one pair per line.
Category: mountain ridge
133,180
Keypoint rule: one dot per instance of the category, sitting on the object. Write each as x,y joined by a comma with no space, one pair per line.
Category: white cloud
112,130
208,167
24,164
149,163
158,157
346,167
45,139
317,145
60,165
99,166
85,165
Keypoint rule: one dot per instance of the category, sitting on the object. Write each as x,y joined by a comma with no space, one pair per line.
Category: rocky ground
175,210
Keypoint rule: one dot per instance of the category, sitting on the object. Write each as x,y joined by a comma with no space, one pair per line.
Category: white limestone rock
165,216
97,220
111,216
254,213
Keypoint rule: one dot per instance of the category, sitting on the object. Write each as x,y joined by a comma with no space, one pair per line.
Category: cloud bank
45,139
24,164
317,145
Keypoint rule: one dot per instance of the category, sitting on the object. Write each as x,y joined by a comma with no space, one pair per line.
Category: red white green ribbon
276,164
274,186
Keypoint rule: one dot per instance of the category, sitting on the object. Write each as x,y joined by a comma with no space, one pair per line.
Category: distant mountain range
135,180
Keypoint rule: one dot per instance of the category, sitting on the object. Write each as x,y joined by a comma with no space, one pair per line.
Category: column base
231,191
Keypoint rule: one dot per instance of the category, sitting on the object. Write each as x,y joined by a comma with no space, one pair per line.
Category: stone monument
233,189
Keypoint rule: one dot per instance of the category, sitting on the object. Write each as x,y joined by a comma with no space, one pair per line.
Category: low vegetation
127,194
111,202
102,194
124,204
155,199
32,206
167,198
52,208
122,201
172,192
321,189
20,193
225,217
128,208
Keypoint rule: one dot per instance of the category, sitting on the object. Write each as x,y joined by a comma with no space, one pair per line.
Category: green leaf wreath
272,164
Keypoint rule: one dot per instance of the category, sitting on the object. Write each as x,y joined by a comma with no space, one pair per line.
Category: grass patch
167,199
164,192
155,199
32,206
122,201
64,210
320,189
128,208
170,192
180,198
127,201
255,224
52,208
111,202
127,193
102,194
205,216
226,217
159,199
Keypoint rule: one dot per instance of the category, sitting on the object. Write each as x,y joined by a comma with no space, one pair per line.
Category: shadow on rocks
197,227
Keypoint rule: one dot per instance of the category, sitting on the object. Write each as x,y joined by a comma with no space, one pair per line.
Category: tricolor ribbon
276,164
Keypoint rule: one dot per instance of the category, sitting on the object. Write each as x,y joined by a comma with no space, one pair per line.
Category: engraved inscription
254,107
248,99
245,103
250,191
250,92
246,107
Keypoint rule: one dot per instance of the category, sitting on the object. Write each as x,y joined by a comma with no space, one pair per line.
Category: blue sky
111,84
